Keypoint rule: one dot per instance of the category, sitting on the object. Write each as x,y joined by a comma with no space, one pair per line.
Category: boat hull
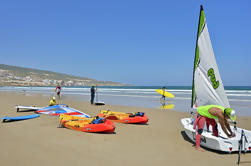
124,117
82,125
221,143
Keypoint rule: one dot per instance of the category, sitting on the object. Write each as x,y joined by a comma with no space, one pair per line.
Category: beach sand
40,142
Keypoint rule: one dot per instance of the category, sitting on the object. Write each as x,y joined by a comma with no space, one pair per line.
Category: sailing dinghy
208,90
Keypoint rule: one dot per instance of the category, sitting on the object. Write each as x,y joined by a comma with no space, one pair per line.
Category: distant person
208,114
163,97
53,101
93,91
58,90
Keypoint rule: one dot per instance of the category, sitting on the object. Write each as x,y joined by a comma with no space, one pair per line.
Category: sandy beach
162,142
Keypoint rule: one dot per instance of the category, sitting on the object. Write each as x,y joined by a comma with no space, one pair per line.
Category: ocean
144,96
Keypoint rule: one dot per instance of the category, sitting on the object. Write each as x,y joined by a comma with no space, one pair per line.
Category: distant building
47,81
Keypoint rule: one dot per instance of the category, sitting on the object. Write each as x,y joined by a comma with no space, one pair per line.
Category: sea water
144,96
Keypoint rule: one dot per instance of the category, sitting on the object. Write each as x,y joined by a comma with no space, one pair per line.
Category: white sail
208,87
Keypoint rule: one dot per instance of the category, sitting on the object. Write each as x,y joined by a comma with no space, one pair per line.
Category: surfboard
165,93
7,119
18,107
99,103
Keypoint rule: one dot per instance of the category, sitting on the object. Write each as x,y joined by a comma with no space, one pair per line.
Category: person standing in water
58,90
93,91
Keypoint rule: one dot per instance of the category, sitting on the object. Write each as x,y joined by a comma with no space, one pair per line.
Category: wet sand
162,142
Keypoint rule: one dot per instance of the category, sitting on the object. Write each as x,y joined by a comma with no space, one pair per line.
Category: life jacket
137,114
97,120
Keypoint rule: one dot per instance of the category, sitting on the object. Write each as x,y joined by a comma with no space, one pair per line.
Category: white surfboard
18,107
98,102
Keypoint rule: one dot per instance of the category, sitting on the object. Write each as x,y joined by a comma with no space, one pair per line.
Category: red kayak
136,118
93,125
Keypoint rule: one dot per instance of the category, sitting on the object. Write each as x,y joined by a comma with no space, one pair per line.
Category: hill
21,76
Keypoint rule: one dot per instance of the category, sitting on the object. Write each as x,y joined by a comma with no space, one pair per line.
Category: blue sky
141,42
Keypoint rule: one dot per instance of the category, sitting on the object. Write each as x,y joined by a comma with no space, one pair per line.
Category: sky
139,42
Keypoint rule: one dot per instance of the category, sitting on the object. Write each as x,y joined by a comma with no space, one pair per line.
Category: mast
196,58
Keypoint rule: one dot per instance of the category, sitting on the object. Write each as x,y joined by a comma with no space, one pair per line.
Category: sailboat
208,89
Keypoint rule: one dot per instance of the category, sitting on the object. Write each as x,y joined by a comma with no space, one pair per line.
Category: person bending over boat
53,101
208,114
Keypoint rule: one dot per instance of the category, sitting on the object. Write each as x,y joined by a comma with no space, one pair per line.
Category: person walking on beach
93,91
53,102
208,114
163,97
58,90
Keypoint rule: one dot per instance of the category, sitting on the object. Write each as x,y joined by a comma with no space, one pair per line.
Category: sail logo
210,73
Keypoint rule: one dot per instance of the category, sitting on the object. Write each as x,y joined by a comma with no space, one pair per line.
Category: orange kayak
93,125
121,117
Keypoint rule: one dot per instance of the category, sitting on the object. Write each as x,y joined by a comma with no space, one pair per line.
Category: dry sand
40,142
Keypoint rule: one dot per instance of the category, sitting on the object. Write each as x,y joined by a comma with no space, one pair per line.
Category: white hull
28,107
99,103
221,143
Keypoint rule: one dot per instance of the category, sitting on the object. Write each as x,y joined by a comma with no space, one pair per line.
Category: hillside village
18,76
